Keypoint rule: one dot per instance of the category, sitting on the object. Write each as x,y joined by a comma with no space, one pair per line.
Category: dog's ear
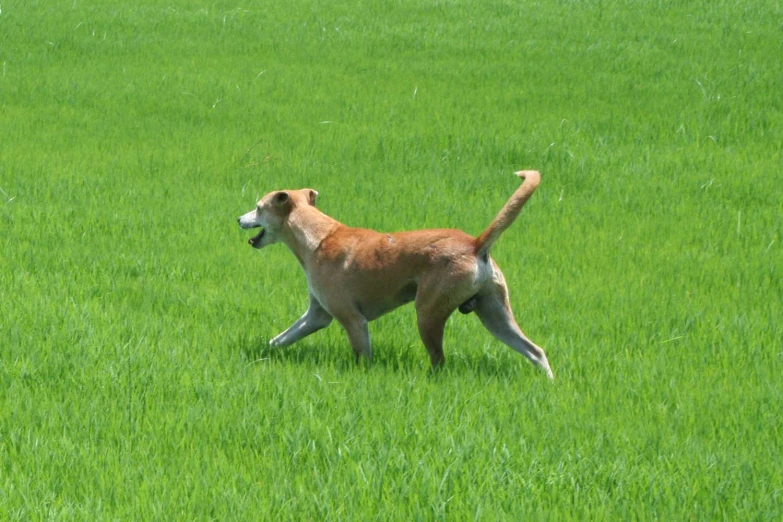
312,194
281,198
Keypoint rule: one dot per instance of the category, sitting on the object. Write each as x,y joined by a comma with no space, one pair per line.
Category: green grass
135,378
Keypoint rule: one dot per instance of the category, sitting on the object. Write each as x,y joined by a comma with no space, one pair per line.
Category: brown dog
356,275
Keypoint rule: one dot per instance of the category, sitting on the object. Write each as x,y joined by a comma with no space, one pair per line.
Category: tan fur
356,275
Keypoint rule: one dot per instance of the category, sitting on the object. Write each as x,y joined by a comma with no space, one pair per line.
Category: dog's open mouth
256,240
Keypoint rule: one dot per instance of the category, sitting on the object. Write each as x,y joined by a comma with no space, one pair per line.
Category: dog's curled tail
509,212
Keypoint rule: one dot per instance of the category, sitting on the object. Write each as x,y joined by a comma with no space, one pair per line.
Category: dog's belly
372,295
374,305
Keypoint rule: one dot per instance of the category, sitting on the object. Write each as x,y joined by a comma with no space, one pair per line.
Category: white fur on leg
313,320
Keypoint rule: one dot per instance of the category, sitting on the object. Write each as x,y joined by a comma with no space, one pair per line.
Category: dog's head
271,214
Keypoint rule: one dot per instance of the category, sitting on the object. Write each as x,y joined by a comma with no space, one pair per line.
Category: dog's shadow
406,359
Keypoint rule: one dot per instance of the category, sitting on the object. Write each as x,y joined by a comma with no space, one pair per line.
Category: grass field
135,378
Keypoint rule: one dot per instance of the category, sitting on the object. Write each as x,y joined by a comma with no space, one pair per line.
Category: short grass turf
135,377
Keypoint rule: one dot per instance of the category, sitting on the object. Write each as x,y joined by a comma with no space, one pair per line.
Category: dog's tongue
252,241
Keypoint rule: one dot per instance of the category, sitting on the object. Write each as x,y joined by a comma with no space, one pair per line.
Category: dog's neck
308,226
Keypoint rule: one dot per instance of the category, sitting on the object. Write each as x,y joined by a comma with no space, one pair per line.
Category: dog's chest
316,292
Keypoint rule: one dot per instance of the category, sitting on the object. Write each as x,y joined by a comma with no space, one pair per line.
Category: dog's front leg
314,319
355,326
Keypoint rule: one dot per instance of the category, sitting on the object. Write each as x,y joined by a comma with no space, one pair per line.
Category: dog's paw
275,342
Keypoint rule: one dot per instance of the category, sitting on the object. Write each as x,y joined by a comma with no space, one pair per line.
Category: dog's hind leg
432,312
494,311
314,319
431,331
